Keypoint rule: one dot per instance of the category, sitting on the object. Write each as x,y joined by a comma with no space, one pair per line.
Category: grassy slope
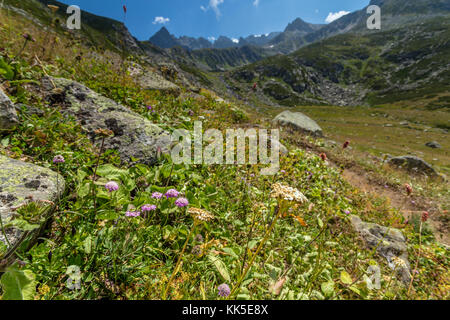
388,63
133,258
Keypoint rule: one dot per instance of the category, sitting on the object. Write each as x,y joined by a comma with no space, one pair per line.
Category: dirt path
408,206
358,177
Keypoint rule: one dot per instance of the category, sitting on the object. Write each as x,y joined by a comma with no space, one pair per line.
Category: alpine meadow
305,163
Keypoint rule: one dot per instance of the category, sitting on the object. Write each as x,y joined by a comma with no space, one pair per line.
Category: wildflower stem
175,271
418,258
4,231
261,244
94,188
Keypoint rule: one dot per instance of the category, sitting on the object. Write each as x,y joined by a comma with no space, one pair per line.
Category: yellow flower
287,193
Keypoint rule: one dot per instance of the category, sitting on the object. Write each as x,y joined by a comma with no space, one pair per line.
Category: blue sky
212,18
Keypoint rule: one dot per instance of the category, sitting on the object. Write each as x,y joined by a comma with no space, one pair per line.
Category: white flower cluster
200,214
287,193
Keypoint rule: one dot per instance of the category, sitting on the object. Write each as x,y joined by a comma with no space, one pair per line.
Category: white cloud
161,20
211,39
334,16
235,40
256,3
214,4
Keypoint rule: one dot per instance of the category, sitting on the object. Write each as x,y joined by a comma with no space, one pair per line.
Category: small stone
8,114
414,165
433,144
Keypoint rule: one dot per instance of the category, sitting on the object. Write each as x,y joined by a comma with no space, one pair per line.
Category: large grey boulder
21,182
298,121
389,243
413,164
134,136
8,115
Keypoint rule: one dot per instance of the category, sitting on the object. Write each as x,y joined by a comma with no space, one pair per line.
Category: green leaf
18,284
109,215
5,142
328,288
5,70
3,249
320,222
88,245
23,225
221,267
355,290
110,172
346,278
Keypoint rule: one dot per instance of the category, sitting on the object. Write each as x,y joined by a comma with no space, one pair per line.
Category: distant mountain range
293,33
341,63
345,63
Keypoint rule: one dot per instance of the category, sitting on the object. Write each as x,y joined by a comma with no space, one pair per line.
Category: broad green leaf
5,70
23,225
221,267
110,172
355,290
18,284
231,252
88,245
328,288
320,222
5,142
346,278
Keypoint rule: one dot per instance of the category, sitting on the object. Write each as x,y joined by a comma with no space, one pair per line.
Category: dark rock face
20,181
8,115
414,165
389,243
134,136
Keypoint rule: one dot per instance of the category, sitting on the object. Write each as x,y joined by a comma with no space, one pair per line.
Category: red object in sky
124,8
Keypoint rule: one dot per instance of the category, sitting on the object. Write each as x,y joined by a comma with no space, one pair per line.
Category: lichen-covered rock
389,243
414,165
134,136
20,181
8,115
300,122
